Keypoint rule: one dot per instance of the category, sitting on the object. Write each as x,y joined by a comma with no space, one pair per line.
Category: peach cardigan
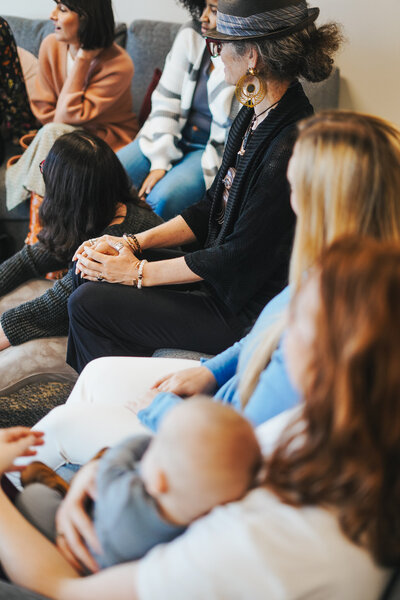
97,97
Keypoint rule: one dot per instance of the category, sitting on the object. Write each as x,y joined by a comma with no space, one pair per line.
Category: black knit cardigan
245,261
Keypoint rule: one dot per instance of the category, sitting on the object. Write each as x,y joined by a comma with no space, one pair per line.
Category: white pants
96,413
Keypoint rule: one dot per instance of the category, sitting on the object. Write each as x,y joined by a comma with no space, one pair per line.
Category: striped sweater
171,102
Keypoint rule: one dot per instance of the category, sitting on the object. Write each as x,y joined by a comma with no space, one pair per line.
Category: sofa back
29,33
147,43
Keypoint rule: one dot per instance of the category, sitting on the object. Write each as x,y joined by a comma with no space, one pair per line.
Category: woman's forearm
124,267
168,272
175,232
30,560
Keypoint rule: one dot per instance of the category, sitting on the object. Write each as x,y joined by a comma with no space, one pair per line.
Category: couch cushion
29,33
177,353
148,43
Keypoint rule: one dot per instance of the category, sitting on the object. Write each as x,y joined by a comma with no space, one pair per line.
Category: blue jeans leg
181,187
135,163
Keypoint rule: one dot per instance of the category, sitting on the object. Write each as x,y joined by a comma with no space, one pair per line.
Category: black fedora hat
249,19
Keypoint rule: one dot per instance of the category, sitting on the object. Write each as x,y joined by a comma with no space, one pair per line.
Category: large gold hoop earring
250,89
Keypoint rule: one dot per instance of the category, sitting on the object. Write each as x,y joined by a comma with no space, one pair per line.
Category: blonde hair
346,179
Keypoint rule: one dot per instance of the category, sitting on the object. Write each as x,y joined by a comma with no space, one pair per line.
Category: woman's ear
253,58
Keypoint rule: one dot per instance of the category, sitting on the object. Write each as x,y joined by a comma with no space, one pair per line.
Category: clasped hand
107,258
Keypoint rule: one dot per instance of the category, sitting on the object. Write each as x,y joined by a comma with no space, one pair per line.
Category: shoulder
140,218
273,309
137,219
50,45
189,38
117,57
273,550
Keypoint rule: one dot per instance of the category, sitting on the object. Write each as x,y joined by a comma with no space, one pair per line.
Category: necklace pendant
241,152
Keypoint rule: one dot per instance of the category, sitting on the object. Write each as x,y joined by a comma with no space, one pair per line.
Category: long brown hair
346,180
348,456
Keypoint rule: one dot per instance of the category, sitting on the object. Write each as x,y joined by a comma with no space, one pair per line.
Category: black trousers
118,320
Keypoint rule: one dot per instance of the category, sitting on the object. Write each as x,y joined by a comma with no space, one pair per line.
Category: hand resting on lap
196,380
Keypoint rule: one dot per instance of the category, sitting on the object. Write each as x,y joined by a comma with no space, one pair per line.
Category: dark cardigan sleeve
197,216
250,255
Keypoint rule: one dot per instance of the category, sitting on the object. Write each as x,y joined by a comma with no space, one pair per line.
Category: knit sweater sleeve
45,316
28,263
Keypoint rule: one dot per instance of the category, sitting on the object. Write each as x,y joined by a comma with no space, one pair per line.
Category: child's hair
346,180
97,23
85,181
349,451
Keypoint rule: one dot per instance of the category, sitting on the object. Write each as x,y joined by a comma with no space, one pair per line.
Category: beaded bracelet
133,243
140,274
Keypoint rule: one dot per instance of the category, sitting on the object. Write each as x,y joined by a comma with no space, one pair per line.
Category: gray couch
147,42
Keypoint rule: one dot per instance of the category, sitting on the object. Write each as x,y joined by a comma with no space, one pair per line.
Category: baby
150,489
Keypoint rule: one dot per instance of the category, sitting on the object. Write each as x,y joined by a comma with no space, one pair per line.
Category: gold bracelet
130,244
133,243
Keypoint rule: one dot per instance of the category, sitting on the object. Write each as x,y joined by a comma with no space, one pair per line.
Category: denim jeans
181,186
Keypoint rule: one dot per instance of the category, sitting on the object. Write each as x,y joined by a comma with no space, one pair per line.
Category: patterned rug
30,403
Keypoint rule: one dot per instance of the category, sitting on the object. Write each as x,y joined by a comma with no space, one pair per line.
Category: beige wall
125,10
369,61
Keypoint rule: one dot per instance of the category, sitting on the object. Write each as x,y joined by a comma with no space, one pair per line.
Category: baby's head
205,454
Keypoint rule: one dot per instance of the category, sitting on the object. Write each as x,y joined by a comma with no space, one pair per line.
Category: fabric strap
260,23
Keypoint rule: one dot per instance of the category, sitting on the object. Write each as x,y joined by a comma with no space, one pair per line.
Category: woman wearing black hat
243,227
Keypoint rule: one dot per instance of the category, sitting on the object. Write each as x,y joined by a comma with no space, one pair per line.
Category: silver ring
100,278
118,246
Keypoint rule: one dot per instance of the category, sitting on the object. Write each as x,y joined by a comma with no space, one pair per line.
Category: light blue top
274,392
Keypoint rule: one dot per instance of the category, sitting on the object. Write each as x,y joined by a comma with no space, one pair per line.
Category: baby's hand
15,442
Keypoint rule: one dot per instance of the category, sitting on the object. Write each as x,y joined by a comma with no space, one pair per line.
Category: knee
80,301
54,130
54,423
94,371
162,198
